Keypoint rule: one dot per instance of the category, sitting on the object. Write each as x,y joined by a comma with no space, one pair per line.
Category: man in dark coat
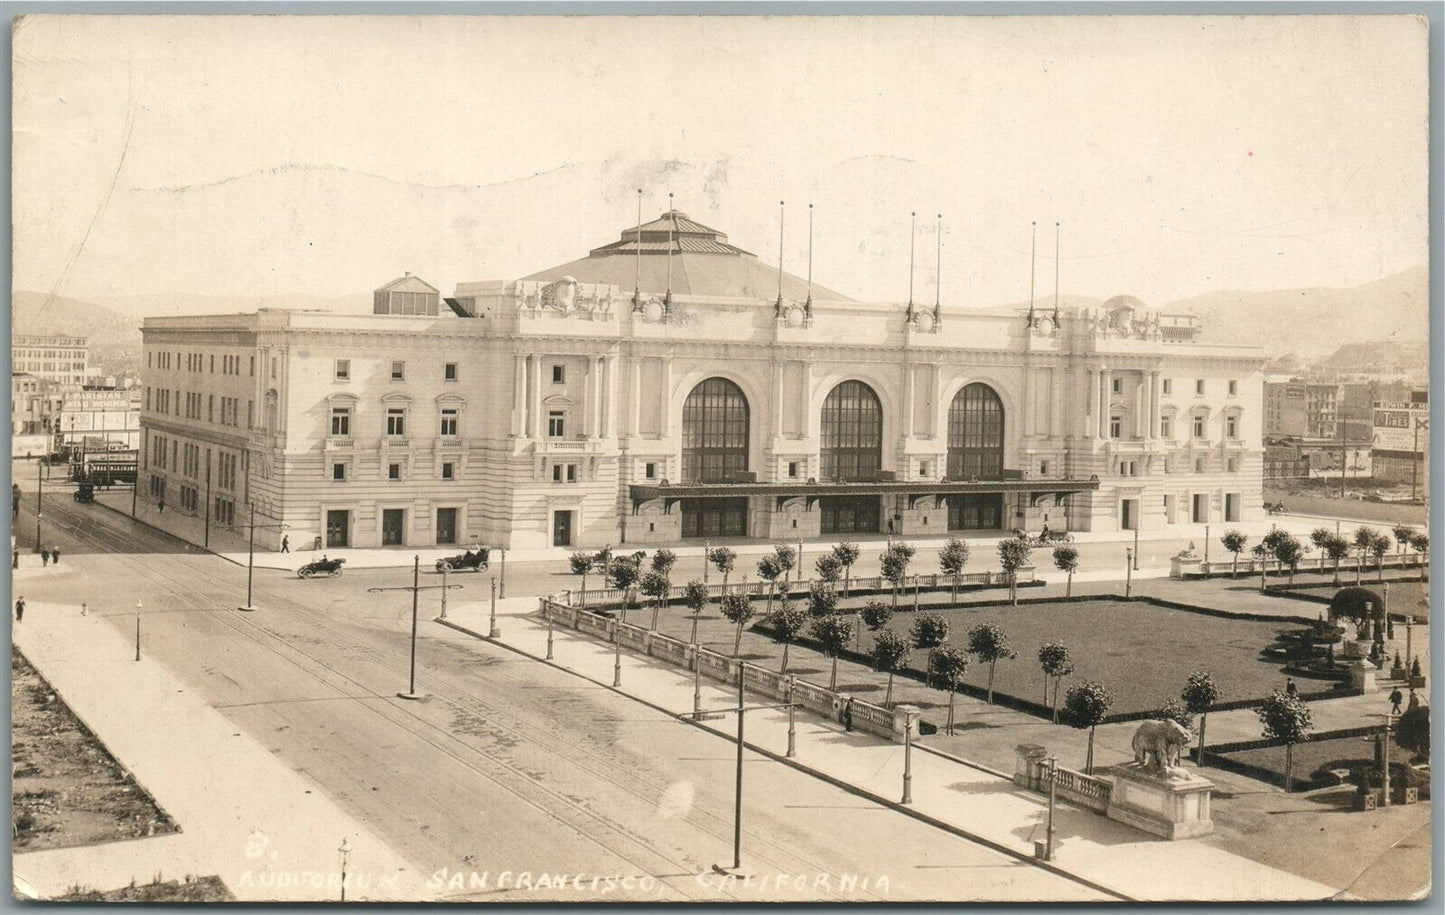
20,609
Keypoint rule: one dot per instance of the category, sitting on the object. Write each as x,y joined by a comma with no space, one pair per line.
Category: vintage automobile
85,492
470,561
1044,537
323,566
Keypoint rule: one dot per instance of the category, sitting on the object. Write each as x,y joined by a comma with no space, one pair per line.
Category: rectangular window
793,470
338,472
649,470
1233,387
449,371
571,473
1199,427
1231,427
1166,427
343,369
1199,386
341,421
447,473
253,366
449,421
1043,468
398,371
1199,465
396,421
559,374
1232,465
393,471
556,424
556,473
1116,426
1118,386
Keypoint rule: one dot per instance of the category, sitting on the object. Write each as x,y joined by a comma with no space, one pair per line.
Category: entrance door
1129,514
849,515
974,511
714,517
392,521
338,528
562,528
446,525
1201,508
1231,506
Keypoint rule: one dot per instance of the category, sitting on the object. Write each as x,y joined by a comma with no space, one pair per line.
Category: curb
822,776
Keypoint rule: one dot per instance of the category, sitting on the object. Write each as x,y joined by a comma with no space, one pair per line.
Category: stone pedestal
1362,675
1173,803
1185,566
1029,760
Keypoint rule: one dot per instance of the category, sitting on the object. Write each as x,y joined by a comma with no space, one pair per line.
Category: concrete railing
1188,567
602,597
1031,771
873,719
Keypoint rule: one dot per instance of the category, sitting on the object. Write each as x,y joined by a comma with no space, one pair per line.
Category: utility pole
1415,460
39,496
504,573
1135,562
137,629
345,851
251,555
415,589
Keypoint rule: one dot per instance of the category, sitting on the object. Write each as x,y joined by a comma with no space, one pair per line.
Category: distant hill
37,313
161,304
1315,322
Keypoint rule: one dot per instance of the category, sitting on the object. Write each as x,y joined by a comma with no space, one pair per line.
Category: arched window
975,434
714,432
852,433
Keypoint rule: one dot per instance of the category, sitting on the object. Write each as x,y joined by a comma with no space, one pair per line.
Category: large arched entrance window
975,434
714,432
852,433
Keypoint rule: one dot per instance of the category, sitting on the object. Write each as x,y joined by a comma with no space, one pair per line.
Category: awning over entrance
1036,489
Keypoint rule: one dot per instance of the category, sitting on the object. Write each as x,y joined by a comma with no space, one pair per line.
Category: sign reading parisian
1395,425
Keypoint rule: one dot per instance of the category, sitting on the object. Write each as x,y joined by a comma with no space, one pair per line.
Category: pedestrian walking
285,543
1414,702
15,557
1289,688
847,715
1396,697
84,608
161,505
20,609
55,555
44,558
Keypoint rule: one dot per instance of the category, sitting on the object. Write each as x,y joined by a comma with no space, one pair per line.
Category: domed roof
702,262
1125,301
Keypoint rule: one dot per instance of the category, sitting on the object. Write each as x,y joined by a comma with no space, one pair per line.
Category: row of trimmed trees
1365,542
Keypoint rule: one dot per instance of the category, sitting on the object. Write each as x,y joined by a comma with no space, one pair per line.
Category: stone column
609,397
519,395
777,399
1141,407
664,397
1029,425
589,399
1103,403
1091,406
908,398
534,396
634,397
1154,411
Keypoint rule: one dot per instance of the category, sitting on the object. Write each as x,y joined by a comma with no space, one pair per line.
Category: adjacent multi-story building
61,359
34,405
670,386
1402,441
96,419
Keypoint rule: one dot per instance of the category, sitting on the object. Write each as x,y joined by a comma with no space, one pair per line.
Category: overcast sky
268,155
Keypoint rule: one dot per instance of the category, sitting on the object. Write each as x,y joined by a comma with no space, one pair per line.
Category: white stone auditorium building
670,386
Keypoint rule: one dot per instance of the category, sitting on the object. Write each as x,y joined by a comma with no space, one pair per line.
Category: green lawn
1314,758
1141,652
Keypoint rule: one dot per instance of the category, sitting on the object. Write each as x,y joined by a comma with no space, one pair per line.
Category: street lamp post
547,612
446,568
907,758
345,851
706,552
504,574
493,632
1128,572
1206,546
1135,562
39,497
738,793
696,678
1049,832
616,652
792,740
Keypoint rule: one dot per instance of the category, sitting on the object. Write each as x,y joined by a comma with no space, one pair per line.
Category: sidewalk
970,800
244,815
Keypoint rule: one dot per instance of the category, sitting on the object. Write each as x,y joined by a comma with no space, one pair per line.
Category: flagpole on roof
938,276
1033,248
912,239
1056,275
808,303
637,276
778,305
671,227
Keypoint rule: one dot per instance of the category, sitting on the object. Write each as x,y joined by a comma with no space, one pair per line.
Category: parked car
85,492
471,560
323,566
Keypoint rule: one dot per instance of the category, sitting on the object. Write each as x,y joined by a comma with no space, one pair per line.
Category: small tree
846,553
723,559
1066,559
1086,705
770,571
890,654
1358,605
1288,550
655,586
1056,663
1404,534
622,575
1337,549
1173,710
930,630
695,596
989,643
951,560
828,568
581,565
787,558
948,664
1319,535
1286,719
1364,541
876,615
787,622
822,599
1413,732
833,634
1013,554
1234,542
1199,695
893,565
1421,543
738,609
1379,547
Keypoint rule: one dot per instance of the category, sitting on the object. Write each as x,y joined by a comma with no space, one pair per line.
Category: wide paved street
508,765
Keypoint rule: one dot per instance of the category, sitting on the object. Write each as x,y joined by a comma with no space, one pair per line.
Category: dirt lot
199,889
67,789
